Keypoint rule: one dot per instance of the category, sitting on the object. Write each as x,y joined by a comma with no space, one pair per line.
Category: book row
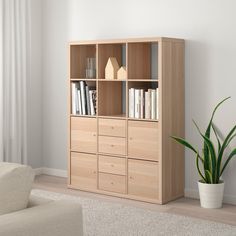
143,104
83,99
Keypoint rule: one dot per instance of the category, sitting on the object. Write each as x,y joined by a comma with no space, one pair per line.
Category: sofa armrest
57,218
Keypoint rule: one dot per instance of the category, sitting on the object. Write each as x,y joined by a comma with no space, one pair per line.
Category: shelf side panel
172,119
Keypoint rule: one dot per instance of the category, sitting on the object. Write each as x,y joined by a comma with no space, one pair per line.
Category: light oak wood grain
135,141
78,59
139,60
112,145
143,178
112,183
112,165
172,120
143,140
112,127
84,134
84,170
109,98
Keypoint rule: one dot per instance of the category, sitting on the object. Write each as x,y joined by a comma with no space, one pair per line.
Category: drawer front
112,183
112,145
143,140
84,134
143,178
84,170
113,165
111,127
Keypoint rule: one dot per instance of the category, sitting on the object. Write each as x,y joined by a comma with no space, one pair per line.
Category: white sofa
21,215
44,218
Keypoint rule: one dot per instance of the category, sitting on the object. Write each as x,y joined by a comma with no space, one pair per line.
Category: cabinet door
143,178
84,134
84,170
143,140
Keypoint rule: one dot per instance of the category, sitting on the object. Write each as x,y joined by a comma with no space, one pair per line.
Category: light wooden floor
183,206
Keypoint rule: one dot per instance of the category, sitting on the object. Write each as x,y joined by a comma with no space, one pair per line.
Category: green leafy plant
212,158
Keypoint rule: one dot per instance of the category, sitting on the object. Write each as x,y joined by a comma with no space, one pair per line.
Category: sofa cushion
15,185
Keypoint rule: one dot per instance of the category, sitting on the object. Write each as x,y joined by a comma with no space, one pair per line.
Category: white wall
210,33
34,115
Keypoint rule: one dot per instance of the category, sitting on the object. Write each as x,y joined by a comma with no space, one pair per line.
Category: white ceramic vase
211,195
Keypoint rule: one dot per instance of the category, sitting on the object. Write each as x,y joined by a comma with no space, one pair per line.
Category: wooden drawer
143,140
143,178
111,127
84,134
113,165
112,145
112,183
84,170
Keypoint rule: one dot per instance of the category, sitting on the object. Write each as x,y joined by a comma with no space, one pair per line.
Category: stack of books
83,99
143,104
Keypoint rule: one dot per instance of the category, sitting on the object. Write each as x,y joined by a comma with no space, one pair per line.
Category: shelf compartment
110,50
78,101
78,59
112,98
140,110
143,61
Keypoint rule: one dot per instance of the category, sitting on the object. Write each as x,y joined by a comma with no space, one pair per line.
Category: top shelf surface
130,40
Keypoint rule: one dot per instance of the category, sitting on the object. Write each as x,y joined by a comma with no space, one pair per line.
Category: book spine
157,103
87,100
141,103
79,102
83,102
73,98
153,104
131,102
147,105
137,103
91,102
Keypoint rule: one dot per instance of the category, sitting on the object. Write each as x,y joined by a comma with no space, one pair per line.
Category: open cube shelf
78,59
110,50
119,152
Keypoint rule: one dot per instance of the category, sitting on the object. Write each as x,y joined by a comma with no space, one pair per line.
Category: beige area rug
104,218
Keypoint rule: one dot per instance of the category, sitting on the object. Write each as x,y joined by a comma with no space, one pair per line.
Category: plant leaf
233,153
224,145
232,137
209,174
198,168
185,143
217,137
208,133
211,149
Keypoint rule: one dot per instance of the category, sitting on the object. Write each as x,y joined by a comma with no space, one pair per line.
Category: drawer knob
130,177
130,138
112,165
112,127
94,135
112,145
112,183
95,172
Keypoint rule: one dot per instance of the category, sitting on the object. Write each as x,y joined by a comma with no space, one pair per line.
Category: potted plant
211,162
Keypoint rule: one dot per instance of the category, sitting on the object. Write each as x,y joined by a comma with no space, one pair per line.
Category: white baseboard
192,193
50,171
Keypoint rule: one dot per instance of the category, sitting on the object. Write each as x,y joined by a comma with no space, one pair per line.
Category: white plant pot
211,195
